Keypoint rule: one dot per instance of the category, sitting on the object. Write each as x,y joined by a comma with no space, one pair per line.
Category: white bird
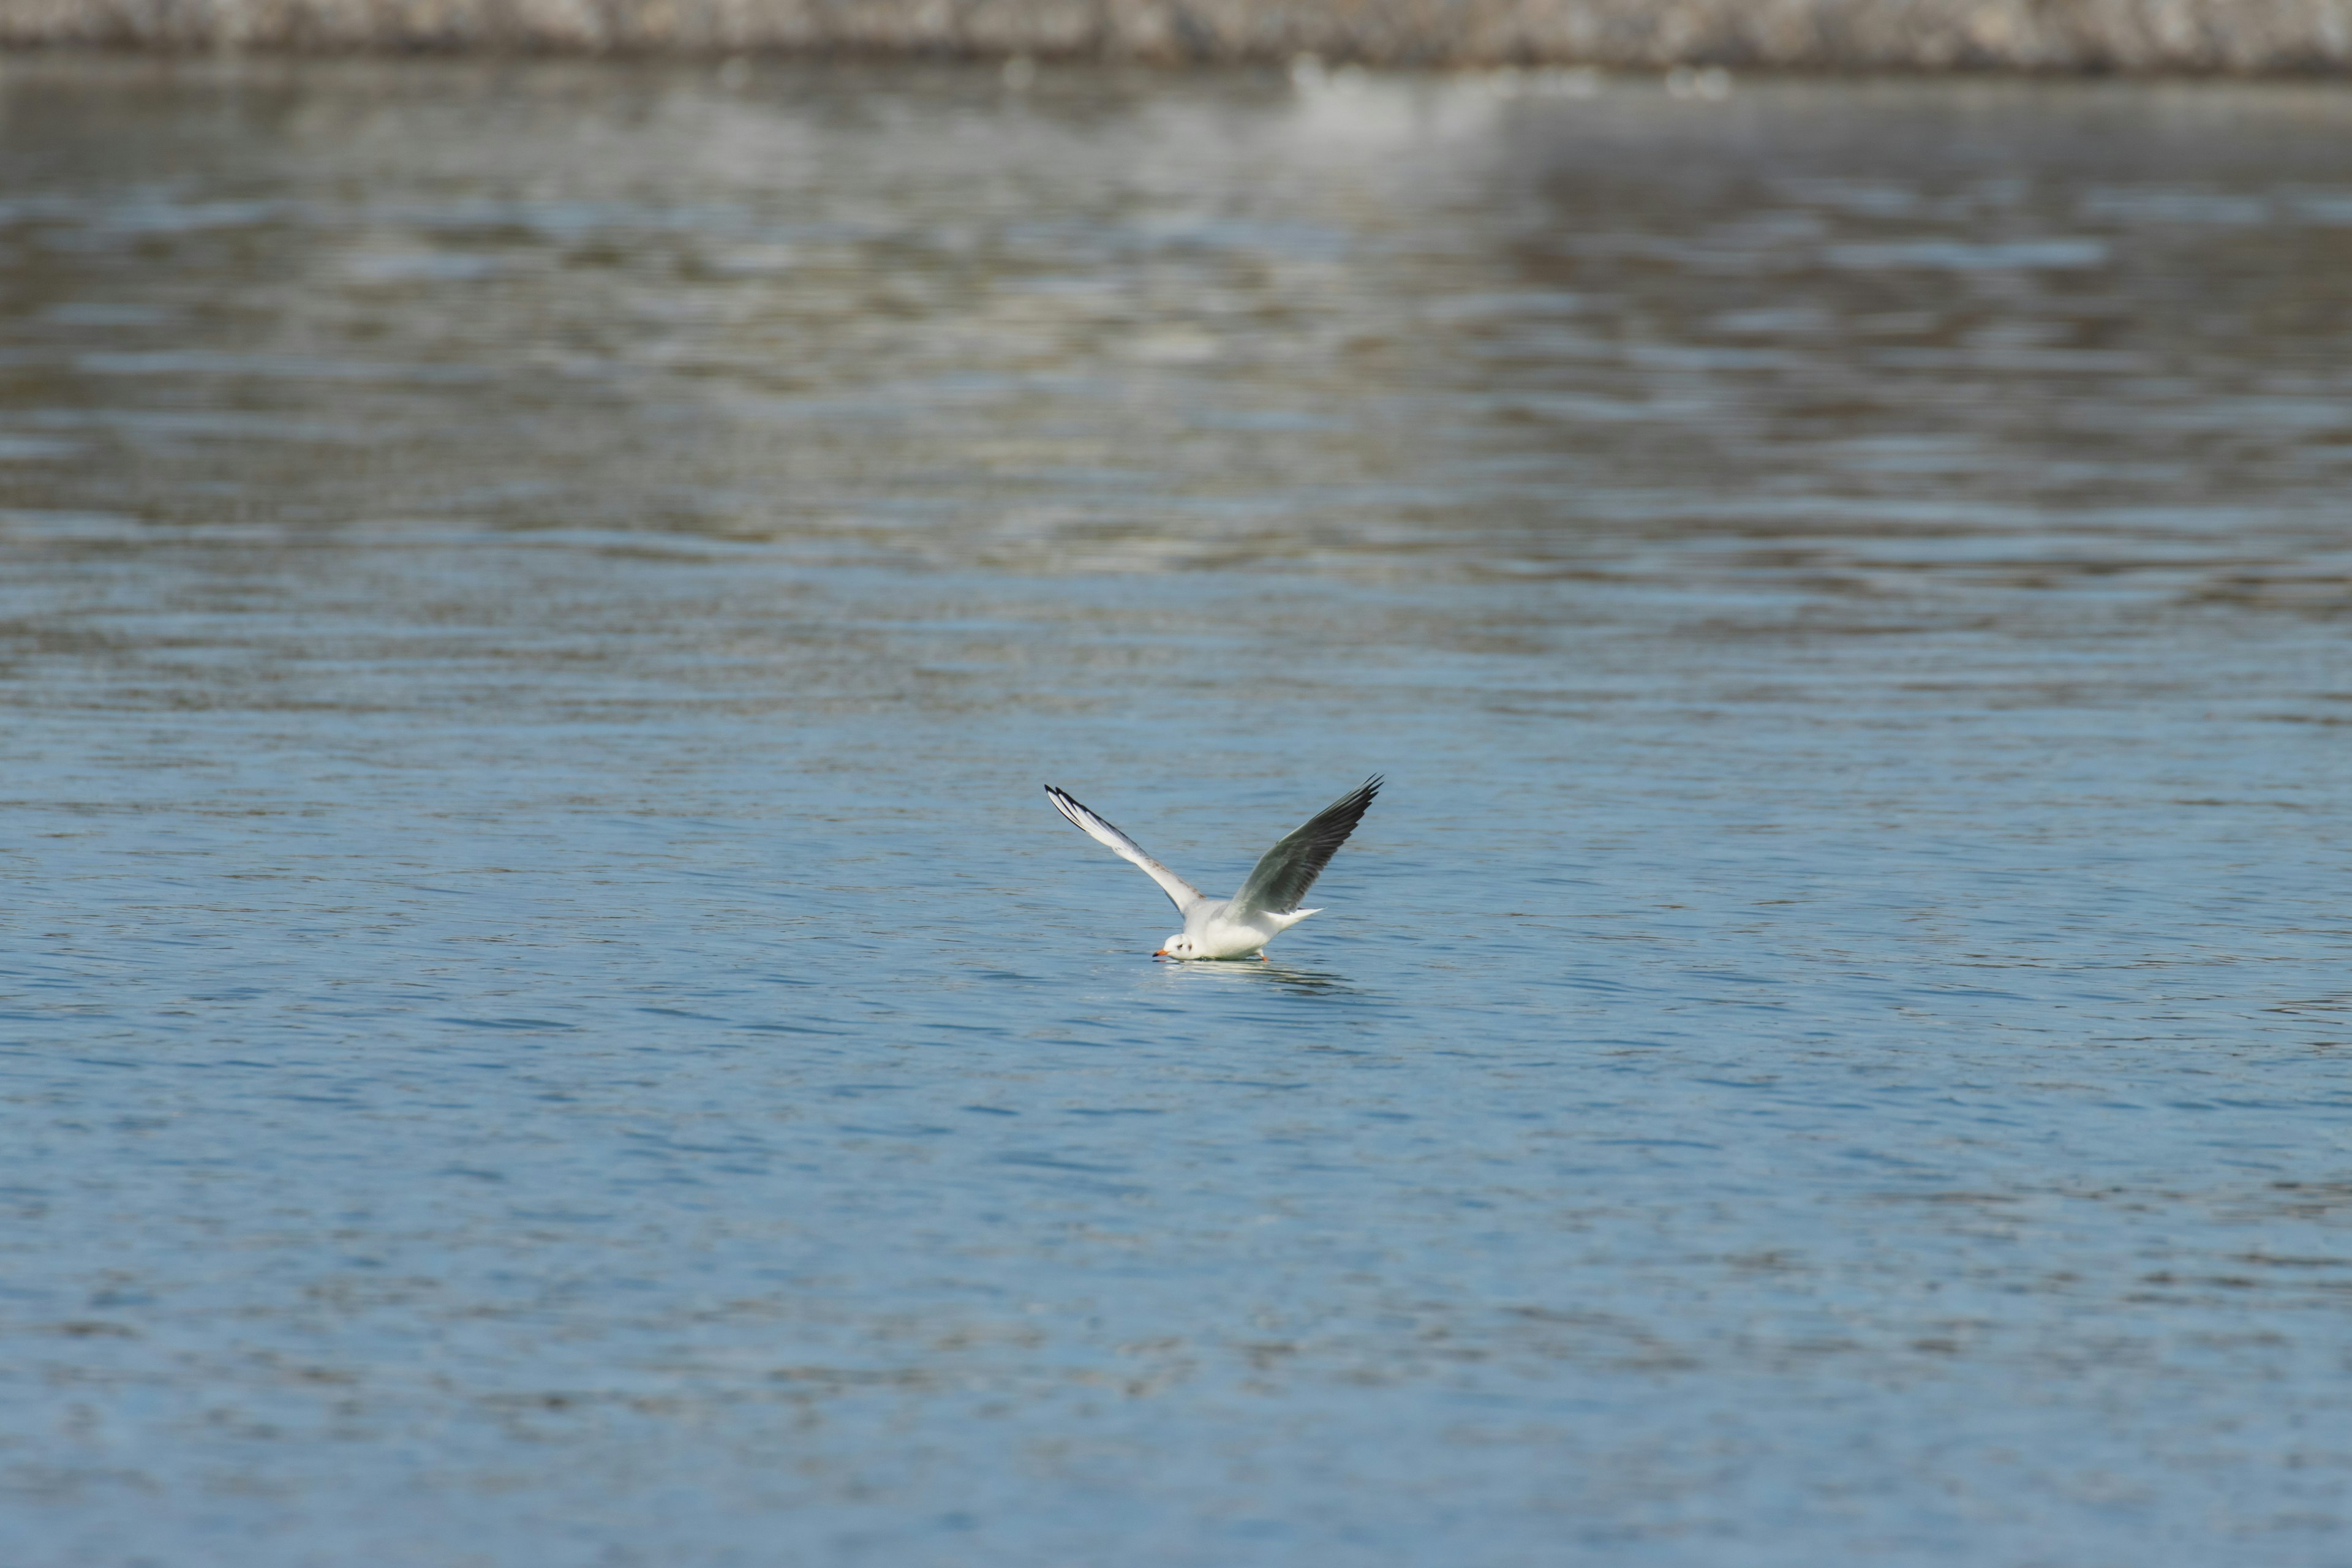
1268,904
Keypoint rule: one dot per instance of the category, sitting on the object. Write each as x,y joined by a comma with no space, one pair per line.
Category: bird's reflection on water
1269,972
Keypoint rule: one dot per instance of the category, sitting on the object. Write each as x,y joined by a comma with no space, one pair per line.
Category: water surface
547,1021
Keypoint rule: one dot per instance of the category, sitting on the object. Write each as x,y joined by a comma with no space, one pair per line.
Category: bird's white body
1267,903
1212,931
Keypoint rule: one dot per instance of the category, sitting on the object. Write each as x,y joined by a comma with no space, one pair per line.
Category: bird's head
1177,946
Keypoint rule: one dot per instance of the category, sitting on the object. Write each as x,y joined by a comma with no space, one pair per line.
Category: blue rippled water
545,1020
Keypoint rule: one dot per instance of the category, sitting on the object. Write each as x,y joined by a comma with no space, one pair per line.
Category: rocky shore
2135,36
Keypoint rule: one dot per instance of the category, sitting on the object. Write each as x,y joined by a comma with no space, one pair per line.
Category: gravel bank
2140,37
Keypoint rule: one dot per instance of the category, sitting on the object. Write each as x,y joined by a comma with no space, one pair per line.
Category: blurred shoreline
2138,38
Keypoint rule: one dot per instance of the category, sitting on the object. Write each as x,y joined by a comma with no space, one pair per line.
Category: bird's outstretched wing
1285,872
1182,892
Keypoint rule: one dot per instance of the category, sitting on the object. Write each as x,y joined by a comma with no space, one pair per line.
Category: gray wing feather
1285,871
1182,893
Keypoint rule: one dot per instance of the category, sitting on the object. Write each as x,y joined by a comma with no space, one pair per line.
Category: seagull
1267,905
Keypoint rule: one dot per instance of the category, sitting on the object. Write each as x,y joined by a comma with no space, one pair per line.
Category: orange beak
1161,953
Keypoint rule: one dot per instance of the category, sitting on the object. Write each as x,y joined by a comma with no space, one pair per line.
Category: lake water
547,1021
